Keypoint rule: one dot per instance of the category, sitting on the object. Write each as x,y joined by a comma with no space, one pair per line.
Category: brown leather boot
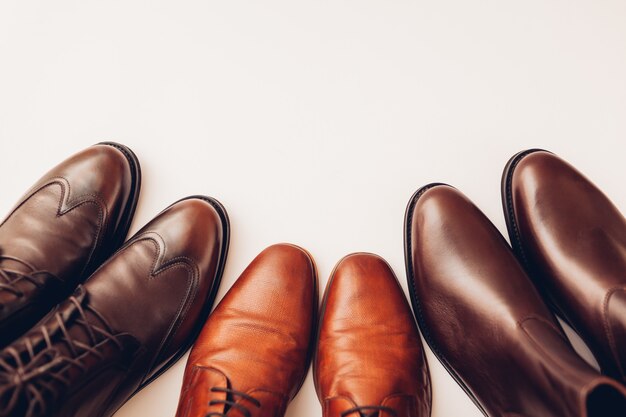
130,321
253,353
572,241
486,322
369,358
65,226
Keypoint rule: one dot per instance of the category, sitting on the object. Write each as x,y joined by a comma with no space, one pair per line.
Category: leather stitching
67,205
532,340
530,317
608,331
185,303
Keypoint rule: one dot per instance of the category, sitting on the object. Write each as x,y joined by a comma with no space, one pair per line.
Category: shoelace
373,410
232,403
35,377
10,277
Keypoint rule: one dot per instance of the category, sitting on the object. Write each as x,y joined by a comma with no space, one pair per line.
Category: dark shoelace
35,376
9,277
373,410
232,403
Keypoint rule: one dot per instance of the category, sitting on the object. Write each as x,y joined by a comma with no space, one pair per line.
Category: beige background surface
313,121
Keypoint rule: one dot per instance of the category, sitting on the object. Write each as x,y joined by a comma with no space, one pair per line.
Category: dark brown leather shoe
572,241
369,359
486,322
131,320
253,353
65,226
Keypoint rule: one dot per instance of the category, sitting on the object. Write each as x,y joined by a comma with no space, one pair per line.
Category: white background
313,121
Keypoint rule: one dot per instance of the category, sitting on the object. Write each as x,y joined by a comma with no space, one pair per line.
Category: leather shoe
253,353
130,321
486,322
369,359
65,226
572,241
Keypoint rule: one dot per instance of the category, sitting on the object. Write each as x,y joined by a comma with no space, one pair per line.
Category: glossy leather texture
486,322
572,241
253,353
63,228
131,320
369,359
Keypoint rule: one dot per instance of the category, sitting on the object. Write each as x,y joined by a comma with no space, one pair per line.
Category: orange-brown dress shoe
369,359
253,353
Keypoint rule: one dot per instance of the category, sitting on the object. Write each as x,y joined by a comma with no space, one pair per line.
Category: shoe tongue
406,405
338,405
13,272
401,404
70,312
206,379
59,325
58,353
213,381
12,264
270,404
67,312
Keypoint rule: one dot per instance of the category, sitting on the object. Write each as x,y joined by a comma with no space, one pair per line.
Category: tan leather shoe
61,230
369,359
486,322
130,321
253,353
572,241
